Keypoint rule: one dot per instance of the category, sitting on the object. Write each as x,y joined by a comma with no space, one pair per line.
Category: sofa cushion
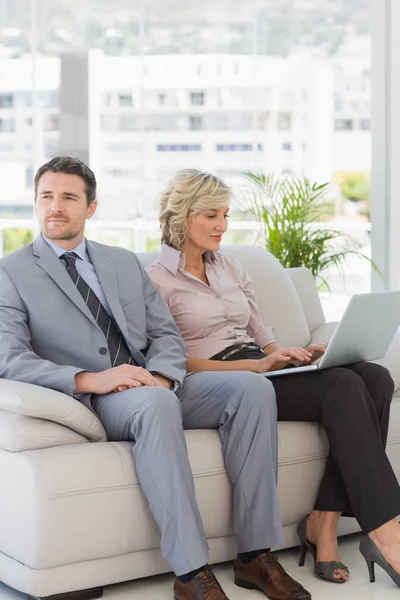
42,403
276,294
18,433
74,488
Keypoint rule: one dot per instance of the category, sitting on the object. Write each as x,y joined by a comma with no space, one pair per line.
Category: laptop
364,333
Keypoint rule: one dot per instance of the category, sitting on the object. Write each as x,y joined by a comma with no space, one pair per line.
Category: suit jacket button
103,350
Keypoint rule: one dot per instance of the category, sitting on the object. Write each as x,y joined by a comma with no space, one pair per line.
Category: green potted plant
287,209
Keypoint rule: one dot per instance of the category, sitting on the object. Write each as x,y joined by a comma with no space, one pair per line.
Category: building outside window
6,101
218,86
195,122
7,125
197,98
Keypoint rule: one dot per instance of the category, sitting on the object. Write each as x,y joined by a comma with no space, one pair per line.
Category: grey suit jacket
48,335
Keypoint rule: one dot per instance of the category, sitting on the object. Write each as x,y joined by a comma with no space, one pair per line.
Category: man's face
61,206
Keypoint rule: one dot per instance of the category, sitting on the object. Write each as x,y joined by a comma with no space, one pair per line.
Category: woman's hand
317,350
281,357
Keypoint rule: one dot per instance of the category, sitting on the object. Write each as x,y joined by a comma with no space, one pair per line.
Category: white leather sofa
72,515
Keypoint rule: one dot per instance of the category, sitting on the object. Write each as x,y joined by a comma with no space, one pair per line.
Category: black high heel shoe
324,570
373,555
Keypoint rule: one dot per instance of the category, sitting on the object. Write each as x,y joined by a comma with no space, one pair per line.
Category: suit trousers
242,406
353,405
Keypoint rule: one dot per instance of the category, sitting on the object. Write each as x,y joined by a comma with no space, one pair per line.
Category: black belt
232,350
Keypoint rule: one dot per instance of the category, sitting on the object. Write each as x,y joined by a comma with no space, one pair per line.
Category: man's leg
242,405
150,418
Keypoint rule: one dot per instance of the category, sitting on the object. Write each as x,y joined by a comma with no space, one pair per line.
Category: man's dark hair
71,166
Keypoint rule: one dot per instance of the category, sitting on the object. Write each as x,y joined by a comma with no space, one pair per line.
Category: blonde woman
211,297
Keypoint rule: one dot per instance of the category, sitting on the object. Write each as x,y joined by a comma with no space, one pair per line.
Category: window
179,147
52,123
129,123
6,101
7,125
51,148
365,124
121,173
195,122
29,177
344,125
109,122
115,122
125,100
197,98
284,121
48,99
237,147
123,147
287,147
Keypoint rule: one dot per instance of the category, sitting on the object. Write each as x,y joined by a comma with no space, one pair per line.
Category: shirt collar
174,260
80,250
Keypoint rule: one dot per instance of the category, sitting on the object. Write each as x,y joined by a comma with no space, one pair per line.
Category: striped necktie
119,352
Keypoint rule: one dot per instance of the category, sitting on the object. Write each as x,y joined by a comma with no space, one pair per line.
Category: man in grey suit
84,319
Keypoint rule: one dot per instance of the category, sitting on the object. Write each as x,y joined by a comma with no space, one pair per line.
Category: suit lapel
49,262
106,273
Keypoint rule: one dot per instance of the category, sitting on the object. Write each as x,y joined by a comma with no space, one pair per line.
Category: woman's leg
380,387
242,405
357,468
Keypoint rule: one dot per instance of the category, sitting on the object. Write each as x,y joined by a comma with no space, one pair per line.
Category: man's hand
164,381
117,379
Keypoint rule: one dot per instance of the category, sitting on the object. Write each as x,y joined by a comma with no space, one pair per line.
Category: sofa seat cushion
88,495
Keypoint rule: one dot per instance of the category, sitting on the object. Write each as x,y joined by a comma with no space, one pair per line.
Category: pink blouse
210,318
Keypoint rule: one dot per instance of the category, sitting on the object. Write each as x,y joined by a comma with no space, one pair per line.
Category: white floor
357,588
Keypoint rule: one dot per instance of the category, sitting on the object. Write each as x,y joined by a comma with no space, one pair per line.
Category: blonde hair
188,193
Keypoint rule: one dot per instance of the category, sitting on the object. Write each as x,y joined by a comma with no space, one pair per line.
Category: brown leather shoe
266,574
204,586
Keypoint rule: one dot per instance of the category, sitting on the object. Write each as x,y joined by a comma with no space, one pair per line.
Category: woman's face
205,230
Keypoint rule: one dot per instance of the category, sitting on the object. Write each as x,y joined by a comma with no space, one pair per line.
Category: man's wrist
169,384
82,382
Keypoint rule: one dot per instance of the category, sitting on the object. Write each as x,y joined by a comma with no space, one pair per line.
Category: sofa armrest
307,292
38,402
391,361
324,333
19,433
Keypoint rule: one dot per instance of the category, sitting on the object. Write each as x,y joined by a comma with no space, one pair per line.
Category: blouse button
218,297
226,316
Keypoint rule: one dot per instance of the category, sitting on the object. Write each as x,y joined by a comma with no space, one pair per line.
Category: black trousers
353,405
